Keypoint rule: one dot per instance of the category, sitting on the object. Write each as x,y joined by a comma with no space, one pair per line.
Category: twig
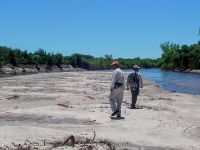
28,142
19,146
6,147
13,97
94,136
71,137
187,128
44,142
63,105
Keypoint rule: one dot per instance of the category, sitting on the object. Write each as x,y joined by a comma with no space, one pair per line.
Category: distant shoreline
190,71
10,70
185,71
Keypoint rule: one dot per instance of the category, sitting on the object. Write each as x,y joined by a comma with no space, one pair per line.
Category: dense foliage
18,57
180,57
174,57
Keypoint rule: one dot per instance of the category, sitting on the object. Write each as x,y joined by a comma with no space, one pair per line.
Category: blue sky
123,28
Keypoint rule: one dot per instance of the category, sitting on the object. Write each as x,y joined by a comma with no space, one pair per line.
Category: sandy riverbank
32,109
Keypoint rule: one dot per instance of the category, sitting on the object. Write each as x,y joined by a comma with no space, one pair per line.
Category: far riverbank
10,70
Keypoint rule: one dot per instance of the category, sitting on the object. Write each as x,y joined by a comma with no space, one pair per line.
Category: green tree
18,57
75,60
36,59
12,58
169,56
58,58
43,55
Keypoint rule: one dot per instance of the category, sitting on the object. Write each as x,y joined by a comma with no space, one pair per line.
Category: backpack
134,81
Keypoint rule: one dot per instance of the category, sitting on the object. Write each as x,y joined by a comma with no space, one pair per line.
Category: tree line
176,57
18,57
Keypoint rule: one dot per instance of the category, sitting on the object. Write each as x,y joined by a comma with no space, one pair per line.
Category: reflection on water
174,81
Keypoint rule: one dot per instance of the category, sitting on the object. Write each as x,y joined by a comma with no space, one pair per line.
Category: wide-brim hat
115,63
136,67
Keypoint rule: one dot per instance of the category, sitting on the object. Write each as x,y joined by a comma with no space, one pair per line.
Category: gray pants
134,93
116,99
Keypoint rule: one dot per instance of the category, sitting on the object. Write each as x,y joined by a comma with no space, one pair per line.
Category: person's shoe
115,113
118,116
132,107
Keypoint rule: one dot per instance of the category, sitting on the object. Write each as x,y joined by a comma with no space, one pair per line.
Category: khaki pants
116,99
134,93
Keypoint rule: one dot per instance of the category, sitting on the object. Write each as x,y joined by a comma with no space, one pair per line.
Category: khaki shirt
117,77
131,82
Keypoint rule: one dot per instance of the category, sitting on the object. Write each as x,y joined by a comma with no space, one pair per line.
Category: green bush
1,64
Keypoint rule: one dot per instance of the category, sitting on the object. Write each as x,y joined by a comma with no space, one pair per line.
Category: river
173,81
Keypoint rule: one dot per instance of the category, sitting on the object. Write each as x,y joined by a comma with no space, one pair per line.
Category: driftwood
185,131
63,105
94,136
70,141
13,97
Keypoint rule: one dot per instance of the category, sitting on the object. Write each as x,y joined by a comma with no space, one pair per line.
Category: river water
173,81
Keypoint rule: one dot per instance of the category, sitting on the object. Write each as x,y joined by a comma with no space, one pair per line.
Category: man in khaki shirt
134,81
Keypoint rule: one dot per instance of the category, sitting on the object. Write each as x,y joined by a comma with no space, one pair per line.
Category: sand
51,106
